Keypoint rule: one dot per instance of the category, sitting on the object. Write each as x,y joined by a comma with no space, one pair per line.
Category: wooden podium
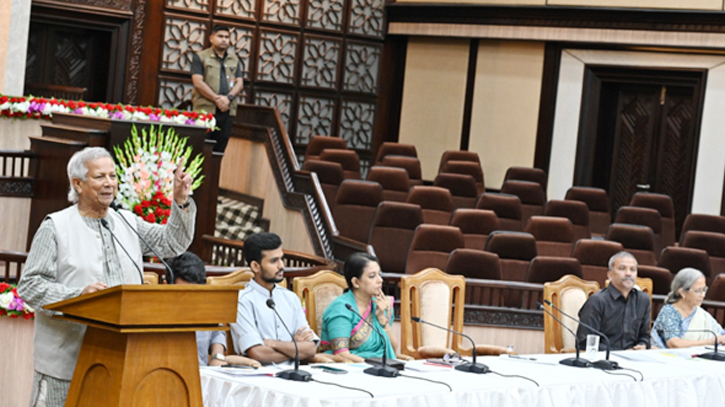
140,348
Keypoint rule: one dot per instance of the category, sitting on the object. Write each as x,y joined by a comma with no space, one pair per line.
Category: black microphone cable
619,374
343,386
636,371
427,380
514,376
105,224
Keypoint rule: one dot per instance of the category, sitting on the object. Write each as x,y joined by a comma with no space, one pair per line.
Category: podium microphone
384,370
472,367
576,361
296,375
605,364
709,355
105,224
115,207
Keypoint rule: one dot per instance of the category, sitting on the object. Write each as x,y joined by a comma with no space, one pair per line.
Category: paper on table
262,371
636,356
423,366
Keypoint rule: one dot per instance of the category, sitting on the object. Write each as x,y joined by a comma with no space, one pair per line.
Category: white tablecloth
670,380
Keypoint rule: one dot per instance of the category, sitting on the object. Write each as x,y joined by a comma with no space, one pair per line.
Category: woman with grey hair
682,323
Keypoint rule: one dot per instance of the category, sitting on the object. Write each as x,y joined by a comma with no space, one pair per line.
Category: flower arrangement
43,108
146,165
13,306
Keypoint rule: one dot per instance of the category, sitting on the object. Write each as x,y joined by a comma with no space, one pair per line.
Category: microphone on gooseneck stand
105,224
472,367
709,355
295,374
384,370
116,208
576,361
605,364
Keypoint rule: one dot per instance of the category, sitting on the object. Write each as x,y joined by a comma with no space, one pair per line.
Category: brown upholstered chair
675,259
391,233
569,294
661,278
544,269
702,223
554,236
643,216
476,225
431,246
711,242
436,297
643,284
347,158
636,239
466,168
330,176
506,207
458,155
716,292
532,196
515,250
319,143
462,187
436,202
472,263
388,148
355,207
527,174
150,277
662,204
596,199
239,277
594,257
395,182
410,164
577,212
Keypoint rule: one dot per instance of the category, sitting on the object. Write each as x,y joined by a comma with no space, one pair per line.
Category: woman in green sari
344,333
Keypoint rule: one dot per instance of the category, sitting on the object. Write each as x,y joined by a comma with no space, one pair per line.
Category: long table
671,378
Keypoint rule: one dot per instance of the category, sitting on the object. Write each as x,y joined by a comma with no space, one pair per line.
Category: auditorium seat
395,182
633,215
472,263
515,250
347,158
462,187
431,246
594,255
437,204
716,292
458,155
532,196
391,233
636,239
319,143
577,212
506,207
476,225
675,259
702,223
662,204
544,269
711,242
330,176
410,164
466,168
597,201
355,207
554,236
661,278
527,174
388,148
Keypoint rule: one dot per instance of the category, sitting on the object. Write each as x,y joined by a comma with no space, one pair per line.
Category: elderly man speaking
74,253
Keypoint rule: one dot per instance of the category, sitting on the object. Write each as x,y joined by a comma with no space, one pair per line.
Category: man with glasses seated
682,320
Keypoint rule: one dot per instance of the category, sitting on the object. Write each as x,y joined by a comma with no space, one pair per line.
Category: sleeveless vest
212,73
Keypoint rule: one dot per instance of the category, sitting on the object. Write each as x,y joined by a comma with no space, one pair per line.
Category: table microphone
605,364
384,370
709,355
116,208
105,224
577,361
296,375
472,367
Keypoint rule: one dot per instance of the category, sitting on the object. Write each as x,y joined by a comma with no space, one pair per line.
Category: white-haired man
73,253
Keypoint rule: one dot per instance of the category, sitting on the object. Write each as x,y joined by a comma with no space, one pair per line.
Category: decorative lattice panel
236,8
173,93
277,51
314,118
182,37
357,120
319,65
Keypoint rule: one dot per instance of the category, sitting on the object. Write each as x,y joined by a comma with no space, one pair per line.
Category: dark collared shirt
625,321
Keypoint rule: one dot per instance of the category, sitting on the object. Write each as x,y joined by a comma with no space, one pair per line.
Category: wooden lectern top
135,307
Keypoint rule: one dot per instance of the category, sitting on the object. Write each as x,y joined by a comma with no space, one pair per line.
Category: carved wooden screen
316,61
